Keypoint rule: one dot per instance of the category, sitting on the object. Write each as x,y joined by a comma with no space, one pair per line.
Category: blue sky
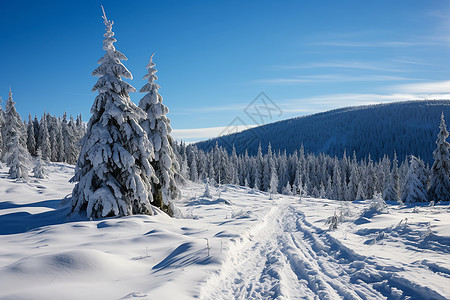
214,57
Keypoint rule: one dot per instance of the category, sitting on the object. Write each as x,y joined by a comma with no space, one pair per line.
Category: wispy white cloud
373,44
411,61
434,87
332,101
333,78
340,64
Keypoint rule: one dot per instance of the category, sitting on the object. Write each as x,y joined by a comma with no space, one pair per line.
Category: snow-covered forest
116,209
56,138
347,178
407,127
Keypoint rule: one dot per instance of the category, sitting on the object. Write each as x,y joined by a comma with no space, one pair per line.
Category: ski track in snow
286,257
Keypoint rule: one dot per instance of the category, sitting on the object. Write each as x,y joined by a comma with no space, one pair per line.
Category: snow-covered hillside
408,127
238,244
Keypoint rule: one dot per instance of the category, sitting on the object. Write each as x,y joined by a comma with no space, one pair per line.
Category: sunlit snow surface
258,248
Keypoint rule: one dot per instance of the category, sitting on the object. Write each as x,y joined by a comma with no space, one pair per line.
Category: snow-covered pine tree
273,183
269,165
322,191
71,150
17,159
113,173
371,180
44,139
440,171
193,169
61,153
2,129
392,189
13,126
258,170
40,168
53,144
415,189
157,126
337,181
31,141
36,130
352,188
234,167
360,194
329,192
287,190
207,193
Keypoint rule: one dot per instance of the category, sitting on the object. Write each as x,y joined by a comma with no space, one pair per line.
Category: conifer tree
13,126
157,127
258,170
352,188
267,171
322,191
361,195
337,182
59,142
193,169
440,171
415,189
44,139
17,156
287,190
40,169
17,159
71,151
392,189
36,130
31,140
2,129
113,174
272,187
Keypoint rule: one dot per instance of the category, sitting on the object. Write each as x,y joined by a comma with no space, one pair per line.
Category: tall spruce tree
44,139
258,170
440,171
13,125
113,173
415,188
17,156
2,129
40,169
31,140
391,191
157,127
17,159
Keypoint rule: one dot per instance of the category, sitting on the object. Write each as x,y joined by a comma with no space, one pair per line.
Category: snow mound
87,264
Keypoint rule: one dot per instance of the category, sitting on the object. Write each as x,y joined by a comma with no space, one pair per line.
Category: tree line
51,138
345,178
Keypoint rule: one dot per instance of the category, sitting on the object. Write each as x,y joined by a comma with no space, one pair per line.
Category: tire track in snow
285,257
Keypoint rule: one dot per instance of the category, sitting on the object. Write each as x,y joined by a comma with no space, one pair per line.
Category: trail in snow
286,257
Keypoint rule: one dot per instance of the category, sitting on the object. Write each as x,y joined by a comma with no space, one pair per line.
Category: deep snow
239,244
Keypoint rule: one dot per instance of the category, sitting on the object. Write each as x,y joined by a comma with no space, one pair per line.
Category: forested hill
405,127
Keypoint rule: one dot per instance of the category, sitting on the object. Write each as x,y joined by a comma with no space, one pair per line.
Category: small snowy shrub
344,210
333,221
40,169
207,193
377,204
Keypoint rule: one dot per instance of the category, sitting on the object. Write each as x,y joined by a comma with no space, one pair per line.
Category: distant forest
407,128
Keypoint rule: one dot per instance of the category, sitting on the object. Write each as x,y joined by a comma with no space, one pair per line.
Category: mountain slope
405,127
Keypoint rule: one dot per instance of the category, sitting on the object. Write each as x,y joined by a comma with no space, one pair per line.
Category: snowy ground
238,245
